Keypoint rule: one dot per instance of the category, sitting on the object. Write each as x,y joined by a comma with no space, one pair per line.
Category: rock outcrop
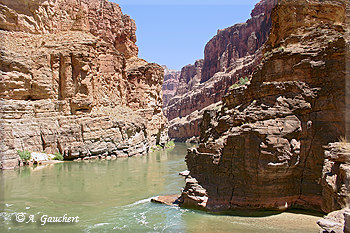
71,82
232,54
187,129
335,222
190,77
264,149
240,40
170,84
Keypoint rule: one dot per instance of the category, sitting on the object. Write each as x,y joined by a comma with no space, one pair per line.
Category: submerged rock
171,200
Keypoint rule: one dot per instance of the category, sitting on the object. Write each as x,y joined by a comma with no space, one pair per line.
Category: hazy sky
174,32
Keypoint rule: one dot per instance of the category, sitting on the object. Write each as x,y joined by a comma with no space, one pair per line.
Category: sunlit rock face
170,84
71,82
230,55
265,148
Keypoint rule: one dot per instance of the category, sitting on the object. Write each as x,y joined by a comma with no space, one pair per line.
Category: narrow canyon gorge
268,106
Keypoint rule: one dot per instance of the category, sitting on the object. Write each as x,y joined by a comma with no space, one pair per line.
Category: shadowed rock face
265,147
71,82
232,54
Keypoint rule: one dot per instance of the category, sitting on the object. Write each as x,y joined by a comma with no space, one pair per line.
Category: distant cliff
270,145
71,82
170,84
229,56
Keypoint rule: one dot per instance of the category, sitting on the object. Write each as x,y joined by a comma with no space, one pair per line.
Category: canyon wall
71,82
229,56
170,84
265,148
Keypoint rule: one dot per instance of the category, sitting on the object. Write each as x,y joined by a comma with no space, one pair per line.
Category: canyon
280,140
268,104
71,82
231,55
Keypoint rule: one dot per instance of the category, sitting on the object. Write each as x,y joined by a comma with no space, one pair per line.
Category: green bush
170,144
281,49
241,82
24,155
58,156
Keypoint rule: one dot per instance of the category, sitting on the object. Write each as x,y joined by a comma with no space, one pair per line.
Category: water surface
114,196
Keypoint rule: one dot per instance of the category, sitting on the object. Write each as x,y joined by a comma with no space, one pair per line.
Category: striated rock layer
170,84
264,149
232,54
71,82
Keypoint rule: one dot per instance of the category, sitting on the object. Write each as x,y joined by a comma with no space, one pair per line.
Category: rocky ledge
268,147
71,82
336,222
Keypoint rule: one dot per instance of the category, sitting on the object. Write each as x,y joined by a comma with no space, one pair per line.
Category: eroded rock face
335,222
264,148
190,77
237,41
187,129
99,17
336,177
232,54
170,84
77,90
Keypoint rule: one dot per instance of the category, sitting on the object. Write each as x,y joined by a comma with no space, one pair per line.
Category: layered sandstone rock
190,77
170,84
336,177
187,129
335,222
71,82
238,41
232,54
264,147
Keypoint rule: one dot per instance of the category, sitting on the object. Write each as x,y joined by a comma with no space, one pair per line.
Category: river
114,196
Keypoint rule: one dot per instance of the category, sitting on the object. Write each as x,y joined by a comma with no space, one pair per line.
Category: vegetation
242,81
281,49
24,155
58,156
170,144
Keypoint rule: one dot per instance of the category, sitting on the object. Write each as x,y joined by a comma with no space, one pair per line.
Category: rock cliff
265,147
71,82
170,84
229,56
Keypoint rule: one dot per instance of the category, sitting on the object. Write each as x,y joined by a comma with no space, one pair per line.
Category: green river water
114,196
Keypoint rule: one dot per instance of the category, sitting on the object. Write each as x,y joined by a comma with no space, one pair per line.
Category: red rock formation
99,17
71,82
238,41
230,55
189,78
265,147
170,84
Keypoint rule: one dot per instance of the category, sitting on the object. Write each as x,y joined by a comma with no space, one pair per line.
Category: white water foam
101,224
139,202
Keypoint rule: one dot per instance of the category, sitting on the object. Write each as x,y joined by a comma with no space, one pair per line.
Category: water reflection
114,196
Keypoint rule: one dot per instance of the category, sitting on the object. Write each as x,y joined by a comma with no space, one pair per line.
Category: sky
175,32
